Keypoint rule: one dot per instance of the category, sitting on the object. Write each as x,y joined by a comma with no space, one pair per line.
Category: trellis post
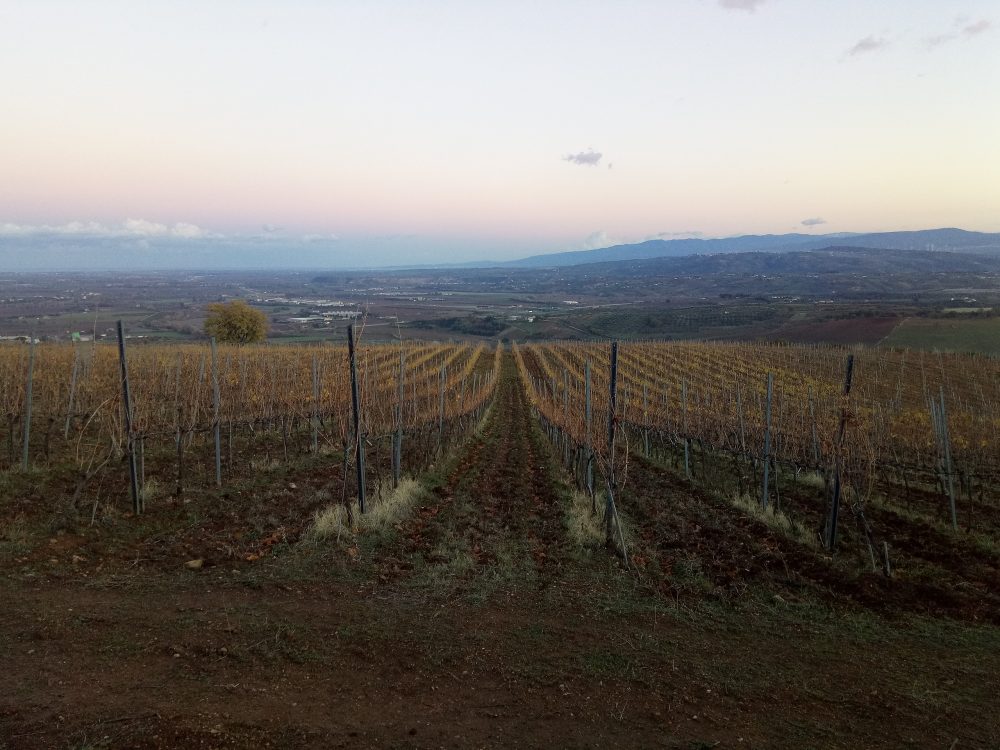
589,414
359,446
611,511
72,391
767,441
397,448
687,441
315,414
946,443
215,416
127,410
645,419
831,531
26,442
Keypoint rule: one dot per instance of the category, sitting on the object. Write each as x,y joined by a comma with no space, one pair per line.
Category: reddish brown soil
505,472
684,526
839,331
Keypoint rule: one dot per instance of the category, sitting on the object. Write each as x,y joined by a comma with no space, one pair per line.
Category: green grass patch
948,334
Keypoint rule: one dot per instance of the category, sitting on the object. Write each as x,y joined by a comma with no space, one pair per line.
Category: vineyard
902,427
910,418
894,451
200,414
613,544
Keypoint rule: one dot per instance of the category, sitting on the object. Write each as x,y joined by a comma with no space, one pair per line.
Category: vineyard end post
26,441
767,441
359,448
831,534
215,420
127,410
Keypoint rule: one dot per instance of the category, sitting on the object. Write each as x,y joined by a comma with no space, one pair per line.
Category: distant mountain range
68,252
837,259
933,240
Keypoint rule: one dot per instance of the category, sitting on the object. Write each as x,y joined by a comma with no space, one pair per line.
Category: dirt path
498,503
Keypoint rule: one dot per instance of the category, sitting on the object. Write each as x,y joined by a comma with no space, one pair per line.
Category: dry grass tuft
584,527
775,519
383,512
387,511
261,465
332,523
812,479
149,491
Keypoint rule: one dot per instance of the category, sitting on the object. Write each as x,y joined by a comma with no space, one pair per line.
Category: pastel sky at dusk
398,132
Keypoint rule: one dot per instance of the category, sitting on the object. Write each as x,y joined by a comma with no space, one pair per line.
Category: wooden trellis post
127,410
442,380
831,530
590,443
315,414
26,441
611,511
359,444
767,441
687,440
215,417
72,391
397,448
645,419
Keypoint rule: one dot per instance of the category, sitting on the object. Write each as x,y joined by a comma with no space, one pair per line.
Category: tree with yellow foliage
235,322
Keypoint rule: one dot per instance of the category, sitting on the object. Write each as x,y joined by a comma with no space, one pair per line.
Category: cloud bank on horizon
132,228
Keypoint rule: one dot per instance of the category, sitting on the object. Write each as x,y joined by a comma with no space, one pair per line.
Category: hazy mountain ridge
91,254
833,259
935,240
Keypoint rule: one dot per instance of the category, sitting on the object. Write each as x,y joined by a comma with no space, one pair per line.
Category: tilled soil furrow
692,531
521,486
499,496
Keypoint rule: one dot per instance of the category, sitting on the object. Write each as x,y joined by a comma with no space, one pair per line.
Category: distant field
973,335
630,322
839,331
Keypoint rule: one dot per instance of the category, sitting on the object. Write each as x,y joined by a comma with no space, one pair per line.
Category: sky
372,132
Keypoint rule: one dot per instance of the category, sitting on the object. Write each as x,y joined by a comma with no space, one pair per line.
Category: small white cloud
748,5
11,230
70,228
814,222
868,44
588,158
977,28
597,240
78,227
963,30
936,41
143,228
187,231
320,238
689,235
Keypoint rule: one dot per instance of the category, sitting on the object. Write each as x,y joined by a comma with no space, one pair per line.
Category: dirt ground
475,621
840,331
